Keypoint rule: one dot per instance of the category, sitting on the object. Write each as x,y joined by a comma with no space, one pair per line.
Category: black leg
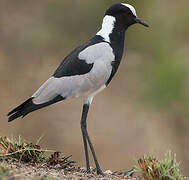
86,137
83,130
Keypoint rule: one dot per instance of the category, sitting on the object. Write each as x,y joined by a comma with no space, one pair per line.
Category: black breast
117,43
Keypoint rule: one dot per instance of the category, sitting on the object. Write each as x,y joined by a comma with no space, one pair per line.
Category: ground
30,171
23,160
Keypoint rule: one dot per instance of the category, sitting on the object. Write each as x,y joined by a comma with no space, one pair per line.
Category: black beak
140,21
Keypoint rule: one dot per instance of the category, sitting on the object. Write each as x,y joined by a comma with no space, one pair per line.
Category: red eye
129,13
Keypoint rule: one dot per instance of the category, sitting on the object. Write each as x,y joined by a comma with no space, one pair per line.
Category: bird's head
124,14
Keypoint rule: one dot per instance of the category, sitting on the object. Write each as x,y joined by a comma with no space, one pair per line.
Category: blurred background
145,107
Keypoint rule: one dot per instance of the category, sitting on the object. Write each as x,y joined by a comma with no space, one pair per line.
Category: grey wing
99,56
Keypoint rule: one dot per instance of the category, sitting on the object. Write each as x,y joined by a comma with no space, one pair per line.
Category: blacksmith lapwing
86,71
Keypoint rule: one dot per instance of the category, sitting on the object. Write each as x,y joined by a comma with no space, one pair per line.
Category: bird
86,71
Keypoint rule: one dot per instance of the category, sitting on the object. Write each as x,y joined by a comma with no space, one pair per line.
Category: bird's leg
83,130
86,137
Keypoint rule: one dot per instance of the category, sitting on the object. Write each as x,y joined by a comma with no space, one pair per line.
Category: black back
72,65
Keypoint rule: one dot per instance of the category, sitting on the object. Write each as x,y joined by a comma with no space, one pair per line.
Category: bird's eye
129,13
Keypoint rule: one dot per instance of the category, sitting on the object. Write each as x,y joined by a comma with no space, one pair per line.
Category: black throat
117,38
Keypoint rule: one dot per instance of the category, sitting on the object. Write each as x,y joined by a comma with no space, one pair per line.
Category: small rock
108,172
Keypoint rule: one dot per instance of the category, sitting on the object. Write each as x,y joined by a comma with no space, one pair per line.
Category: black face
124,16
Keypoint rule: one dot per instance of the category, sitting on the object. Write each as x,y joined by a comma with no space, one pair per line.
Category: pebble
108,172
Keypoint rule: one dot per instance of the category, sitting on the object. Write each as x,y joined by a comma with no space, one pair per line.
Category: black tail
28,106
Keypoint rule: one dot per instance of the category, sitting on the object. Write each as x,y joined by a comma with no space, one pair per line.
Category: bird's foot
100,172
130,172
89,171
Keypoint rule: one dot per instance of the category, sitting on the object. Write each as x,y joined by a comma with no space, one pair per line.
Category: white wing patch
80,85
101,51
131,8
107,27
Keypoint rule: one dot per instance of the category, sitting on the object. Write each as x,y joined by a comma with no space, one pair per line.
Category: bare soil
30,171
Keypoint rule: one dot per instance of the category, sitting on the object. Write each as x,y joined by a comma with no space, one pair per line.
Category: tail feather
19,107
21,110
28,106
14,116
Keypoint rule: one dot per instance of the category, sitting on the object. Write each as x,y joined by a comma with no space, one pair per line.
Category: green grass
23,151
151,168
4,171
20,149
